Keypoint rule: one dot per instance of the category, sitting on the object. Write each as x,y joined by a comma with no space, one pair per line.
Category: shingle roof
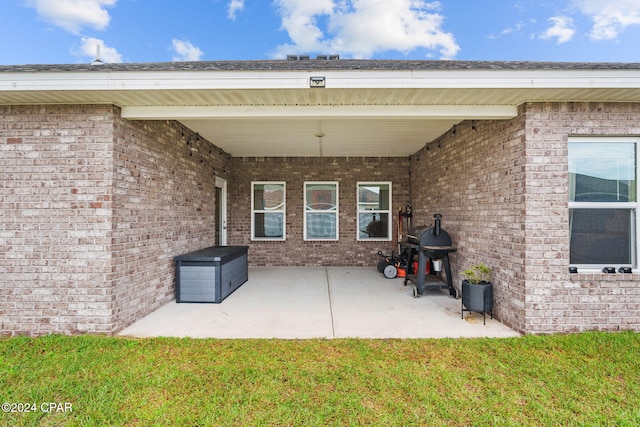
315,64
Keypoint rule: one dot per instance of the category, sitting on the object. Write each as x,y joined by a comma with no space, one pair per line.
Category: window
321,211
268,211
374,212
603,202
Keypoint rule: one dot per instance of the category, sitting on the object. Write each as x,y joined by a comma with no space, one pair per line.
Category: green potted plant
477,290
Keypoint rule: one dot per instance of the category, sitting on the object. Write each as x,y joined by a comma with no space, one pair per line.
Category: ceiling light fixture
319,134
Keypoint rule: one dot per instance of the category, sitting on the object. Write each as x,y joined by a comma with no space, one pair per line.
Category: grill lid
430,237
425,236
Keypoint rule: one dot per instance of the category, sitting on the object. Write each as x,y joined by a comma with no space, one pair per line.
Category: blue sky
67,31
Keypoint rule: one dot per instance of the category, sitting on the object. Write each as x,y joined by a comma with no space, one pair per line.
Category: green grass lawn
583,379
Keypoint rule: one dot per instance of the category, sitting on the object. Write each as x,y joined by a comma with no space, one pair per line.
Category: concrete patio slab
319,302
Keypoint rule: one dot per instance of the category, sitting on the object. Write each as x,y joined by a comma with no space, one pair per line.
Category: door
221,212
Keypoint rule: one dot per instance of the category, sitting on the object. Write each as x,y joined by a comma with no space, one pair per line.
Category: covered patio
111,171
320,302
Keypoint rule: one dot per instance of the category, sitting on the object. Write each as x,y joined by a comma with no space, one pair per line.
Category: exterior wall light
317,82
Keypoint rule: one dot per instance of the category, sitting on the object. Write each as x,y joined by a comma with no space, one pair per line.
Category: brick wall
56,177
164,205
295,171
555,300
93,209
503,190
474,177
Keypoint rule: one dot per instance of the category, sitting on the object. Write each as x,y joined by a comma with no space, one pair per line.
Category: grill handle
438,225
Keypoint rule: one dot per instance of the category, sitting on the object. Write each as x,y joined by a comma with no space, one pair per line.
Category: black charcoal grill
431,244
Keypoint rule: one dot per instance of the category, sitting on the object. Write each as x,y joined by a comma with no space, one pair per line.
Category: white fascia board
458,112
96,81
195,80
528,79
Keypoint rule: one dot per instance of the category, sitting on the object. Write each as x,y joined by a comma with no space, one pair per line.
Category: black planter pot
478,298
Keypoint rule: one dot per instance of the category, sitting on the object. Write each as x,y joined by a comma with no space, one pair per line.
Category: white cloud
89,48
299,19
609,17
516,28
360,28
234,6
73,15
185,51
562,29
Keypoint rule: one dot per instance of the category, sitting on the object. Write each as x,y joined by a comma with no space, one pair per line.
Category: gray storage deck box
211,274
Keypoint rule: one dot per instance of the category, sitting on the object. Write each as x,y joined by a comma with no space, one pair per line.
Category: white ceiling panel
246,137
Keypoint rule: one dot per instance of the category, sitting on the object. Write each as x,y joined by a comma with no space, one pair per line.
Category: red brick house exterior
95,206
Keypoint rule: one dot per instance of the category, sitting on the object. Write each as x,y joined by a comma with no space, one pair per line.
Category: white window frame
633,206
308,210
373,211
271,211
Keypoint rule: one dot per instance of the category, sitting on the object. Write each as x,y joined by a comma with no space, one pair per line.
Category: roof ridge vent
332,57
327,57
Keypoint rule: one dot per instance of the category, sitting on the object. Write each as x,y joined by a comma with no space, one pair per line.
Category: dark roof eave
315,64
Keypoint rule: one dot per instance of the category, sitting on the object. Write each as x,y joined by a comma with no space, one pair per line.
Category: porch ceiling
367,108
326,130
